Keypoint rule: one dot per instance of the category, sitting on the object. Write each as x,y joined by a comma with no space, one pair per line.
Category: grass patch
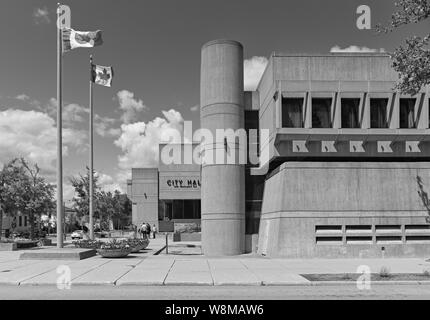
373,277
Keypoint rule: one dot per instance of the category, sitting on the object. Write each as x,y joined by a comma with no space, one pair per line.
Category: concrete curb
158,284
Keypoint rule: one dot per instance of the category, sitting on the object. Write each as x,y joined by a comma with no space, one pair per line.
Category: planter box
8,246
46,242
26,244
178,237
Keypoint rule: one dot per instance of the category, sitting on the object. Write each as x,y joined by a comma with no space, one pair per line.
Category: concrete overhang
301,134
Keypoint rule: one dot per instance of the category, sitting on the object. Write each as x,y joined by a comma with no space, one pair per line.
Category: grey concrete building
347,159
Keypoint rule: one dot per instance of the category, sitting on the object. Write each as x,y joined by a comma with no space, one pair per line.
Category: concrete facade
339,191
223,186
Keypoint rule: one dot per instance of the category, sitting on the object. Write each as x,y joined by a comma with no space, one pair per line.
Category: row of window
368,234
293,113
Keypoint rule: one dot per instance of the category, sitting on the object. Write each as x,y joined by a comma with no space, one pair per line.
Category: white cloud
337,49
72,112
253,71
22,97
32,135
139,141
102,126
41,15
130,106
107,183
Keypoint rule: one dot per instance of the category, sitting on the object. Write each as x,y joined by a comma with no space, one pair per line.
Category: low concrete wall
8,247
313,209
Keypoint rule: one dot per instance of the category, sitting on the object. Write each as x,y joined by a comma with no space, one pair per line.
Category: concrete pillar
223,186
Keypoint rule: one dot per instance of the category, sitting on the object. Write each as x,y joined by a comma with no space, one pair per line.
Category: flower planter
139,245
114,253
87,244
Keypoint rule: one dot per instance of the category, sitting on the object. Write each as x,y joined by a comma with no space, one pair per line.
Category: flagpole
91,182
60,239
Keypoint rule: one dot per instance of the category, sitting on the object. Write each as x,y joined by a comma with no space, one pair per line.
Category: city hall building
347,166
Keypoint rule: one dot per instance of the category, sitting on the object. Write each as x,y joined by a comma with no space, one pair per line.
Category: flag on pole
102,75
80,39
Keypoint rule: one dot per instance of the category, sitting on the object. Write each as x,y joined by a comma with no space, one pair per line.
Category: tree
10,175
81,201
33,195
107,205
411,61
25,191
124,208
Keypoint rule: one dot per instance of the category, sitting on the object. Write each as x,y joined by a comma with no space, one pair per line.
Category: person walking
143,230
154,231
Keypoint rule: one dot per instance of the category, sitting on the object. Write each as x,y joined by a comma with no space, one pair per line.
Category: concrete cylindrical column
223,185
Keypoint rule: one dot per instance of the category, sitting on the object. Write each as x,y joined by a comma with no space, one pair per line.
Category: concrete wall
145,196
300,196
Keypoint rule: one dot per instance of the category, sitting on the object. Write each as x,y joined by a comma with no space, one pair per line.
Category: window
321,112
358,228
328,229
407,113
359,240
180,209
329,240
350,112
378,113
292,112
25,221
20,221
388,239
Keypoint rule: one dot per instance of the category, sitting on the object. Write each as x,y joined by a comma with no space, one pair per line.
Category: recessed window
292,112
358,228
388,239
378,113
328,229
329,240
359,240
407,113
350,112
321,112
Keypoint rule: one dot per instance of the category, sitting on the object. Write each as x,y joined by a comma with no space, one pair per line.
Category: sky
154,47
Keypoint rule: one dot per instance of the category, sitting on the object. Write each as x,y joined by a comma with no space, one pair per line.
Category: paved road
214,293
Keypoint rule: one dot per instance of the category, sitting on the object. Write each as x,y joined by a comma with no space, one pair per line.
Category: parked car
77,235
101,234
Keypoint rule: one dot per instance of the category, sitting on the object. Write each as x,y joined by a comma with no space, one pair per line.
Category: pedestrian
143,230
148,230
154,231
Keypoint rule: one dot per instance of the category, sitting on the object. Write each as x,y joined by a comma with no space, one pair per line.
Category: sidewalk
146,269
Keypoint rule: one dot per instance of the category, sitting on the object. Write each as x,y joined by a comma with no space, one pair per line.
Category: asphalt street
327,292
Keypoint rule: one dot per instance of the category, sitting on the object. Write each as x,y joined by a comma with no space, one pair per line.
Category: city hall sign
184,183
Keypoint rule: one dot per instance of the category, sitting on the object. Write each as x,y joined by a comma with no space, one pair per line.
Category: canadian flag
80,39
102,75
